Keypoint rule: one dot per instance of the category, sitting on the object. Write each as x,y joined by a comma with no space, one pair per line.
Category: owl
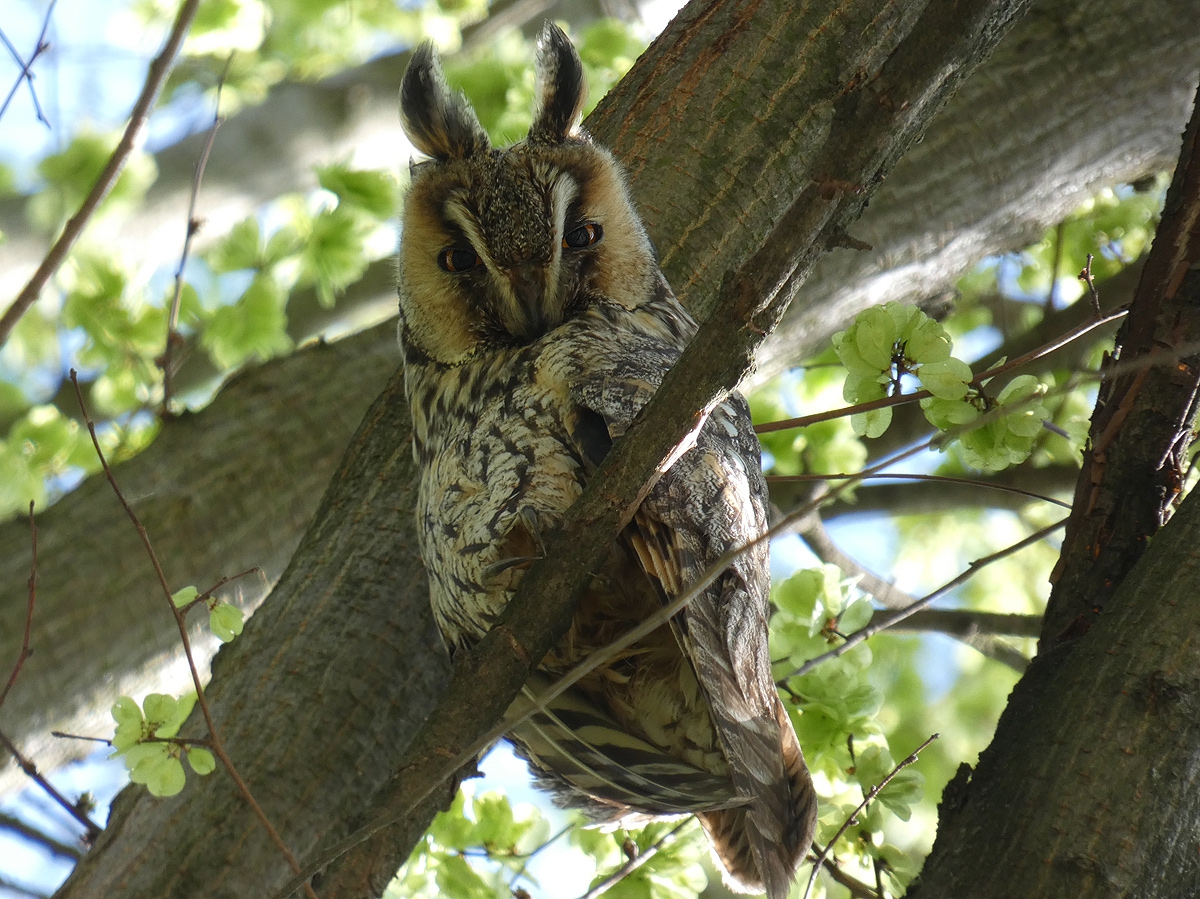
535,324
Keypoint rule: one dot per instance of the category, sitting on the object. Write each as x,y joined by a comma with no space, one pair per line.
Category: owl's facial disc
518,242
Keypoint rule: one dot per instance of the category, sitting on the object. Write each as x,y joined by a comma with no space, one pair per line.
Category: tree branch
1142,427
155,79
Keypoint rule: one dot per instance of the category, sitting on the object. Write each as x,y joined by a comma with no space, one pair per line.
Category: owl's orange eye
583,236
458,259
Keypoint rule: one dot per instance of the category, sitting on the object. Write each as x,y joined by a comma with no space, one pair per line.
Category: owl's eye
583,236
458,259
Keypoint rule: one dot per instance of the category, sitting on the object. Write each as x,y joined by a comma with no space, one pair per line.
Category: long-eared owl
535,324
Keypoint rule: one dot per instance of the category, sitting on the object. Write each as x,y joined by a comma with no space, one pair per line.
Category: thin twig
57,847
217,746
91,827
26,75
857,888
874,791
63,735
637,861
207,594
155,79
1086,277
889,401
526,859
882,622
24,653
959,625
193,228
972,482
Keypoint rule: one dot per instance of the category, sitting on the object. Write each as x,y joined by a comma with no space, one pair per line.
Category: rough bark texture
313,699
1108,806
1137,457
1083,93
1076,96
329,678
1089,786
222,490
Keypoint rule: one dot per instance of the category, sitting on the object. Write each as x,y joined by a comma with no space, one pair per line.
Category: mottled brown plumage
536,324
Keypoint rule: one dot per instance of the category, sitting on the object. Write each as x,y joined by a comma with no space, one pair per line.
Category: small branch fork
26,75
874,791
155,78
214,737
637,861
889,620
194,224
92,830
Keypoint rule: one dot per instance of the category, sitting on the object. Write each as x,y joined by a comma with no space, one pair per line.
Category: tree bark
1083,94
319,699
1089,786
1079,95
1109,806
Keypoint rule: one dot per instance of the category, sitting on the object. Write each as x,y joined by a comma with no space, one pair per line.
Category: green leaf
184,596
226,621
240,249
165,778
201,760
334,254
371,190
253,326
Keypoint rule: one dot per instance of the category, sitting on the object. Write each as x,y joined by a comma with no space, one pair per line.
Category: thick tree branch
897,70
1142,427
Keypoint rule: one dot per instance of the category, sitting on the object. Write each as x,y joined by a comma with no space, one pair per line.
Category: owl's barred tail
752,862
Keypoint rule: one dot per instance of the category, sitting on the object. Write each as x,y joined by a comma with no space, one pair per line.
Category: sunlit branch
882,622
216,745
155,78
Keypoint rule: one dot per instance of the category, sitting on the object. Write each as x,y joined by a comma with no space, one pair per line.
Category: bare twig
946,479
26,75
207,594
526,859
637,861
174,338
874,791
857,888
1086,277
24,653
91,827
961,628
57,847
217,746
882,622
155,79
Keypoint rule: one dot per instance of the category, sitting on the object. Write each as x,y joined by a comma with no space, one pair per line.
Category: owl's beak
529,287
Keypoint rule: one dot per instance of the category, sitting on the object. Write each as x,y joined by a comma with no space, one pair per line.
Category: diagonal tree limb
1142,427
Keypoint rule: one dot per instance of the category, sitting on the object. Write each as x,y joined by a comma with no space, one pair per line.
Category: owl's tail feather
576,748
754,862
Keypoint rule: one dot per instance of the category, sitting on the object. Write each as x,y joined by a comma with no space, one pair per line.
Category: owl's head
501,246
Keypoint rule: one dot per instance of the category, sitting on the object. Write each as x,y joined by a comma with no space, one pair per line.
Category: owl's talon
529,519
498,568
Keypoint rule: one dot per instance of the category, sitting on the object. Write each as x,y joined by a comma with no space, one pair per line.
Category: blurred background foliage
856,715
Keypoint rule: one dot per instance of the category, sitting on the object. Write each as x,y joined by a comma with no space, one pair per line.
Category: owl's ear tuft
561,88
439,121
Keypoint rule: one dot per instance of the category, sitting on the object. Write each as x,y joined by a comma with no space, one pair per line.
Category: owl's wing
711,501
